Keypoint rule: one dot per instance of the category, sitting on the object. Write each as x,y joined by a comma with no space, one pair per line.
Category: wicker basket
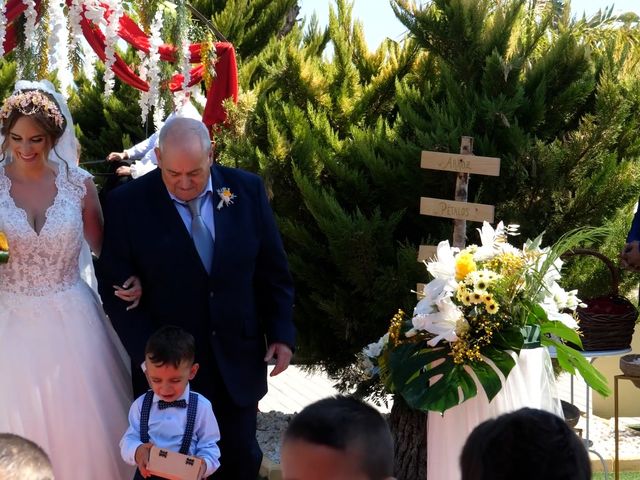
630,368
608,321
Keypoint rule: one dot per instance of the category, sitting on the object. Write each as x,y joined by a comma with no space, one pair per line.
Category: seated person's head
21,459
525,444
337,438
169,362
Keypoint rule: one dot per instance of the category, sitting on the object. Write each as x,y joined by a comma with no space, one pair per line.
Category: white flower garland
58,47
186,54
143,101
158,114
75,16
30,24
111,37
3,26
154,67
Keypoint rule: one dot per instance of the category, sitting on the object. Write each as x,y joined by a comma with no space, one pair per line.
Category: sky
379,21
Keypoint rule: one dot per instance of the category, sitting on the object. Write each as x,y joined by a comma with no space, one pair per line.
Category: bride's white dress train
64,381
530,384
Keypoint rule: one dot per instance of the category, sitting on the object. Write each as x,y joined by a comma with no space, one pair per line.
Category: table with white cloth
530,383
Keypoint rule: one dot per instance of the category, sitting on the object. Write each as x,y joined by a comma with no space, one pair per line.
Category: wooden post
462,193
459,210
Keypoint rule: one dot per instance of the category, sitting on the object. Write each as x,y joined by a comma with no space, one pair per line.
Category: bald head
184,157
21,459
182,132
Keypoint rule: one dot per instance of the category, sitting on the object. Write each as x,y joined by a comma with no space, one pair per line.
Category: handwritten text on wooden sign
460,163
475,212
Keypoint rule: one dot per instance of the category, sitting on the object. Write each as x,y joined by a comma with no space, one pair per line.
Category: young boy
170,415
340,438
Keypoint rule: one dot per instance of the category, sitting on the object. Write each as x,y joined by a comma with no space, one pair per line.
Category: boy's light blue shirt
166,429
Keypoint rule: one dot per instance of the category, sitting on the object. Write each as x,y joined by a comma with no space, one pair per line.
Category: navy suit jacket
634,231
245,303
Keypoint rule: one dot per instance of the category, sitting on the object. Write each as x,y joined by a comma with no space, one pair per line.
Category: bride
63,373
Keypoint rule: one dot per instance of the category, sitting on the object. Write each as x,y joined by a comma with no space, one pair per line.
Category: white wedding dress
530,384
64,381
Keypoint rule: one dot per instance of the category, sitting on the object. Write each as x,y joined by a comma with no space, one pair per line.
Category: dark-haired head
347,426
526,444
37,105
172,346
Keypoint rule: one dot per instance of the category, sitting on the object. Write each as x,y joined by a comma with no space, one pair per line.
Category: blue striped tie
201,234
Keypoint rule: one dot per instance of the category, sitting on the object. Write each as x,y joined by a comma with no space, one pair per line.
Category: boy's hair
170,345
349,425
525,444
21,459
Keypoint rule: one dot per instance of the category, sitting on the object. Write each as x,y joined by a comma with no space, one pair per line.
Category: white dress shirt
166,429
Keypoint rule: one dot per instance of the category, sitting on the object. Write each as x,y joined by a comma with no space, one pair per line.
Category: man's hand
142,458
117,157
123,171
130,291
282,353
630,256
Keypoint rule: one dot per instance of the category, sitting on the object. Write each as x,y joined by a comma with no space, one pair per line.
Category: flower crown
30,102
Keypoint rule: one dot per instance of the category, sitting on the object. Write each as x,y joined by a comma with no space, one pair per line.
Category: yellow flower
491,307
464,265
461,292
477,297
4,243
466,299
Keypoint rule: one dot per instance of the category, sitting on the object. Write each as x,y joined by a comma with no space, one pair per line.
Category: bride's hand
130,291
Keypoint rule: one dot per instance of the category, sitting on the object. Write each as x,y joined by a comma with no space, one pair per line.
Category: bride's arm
92,218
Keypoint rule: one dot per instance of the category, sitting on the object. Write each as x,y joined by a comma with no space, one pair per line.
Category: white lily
493,242
441,323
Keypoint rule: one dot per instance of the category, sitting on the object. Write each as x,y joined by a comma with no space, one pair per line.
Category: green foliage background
337,138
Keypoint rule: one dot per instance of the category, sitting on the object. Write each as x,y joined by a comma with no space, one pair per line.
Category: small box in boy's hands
174,466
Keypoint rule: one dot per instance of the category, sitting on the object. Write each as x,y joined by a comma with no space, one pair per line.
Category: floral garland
154,69
57,45
183,22
143,100
3,26
30,24
209,58
111,38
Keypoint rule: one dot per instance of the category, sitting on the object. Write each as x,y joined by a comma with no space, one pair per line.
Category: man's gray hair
22,459
179,127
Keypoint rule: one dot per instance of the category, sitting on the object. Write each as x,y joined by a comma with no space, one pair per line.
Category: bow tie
176,403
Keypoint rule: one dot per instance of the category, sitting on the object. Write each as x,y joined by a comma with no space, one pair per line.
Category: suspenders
192,410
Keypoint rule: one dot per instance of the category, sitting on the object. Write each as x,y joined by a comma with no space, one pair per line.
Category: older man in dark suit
204,243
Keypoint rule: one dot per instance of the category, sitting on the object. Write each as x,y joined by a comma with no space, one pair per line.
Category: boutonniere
226,197
4,248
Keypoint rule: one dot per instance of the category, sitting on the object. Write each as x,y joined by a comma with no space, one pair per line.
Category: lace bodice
45,262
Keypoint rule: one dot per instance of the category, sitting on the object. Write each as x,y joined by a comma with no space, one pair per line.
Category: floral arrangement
483,304
29,102
4,248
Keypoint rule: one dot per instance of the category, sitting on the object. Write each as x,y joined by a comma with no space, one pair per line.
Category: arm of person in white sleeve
139,150
144,165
